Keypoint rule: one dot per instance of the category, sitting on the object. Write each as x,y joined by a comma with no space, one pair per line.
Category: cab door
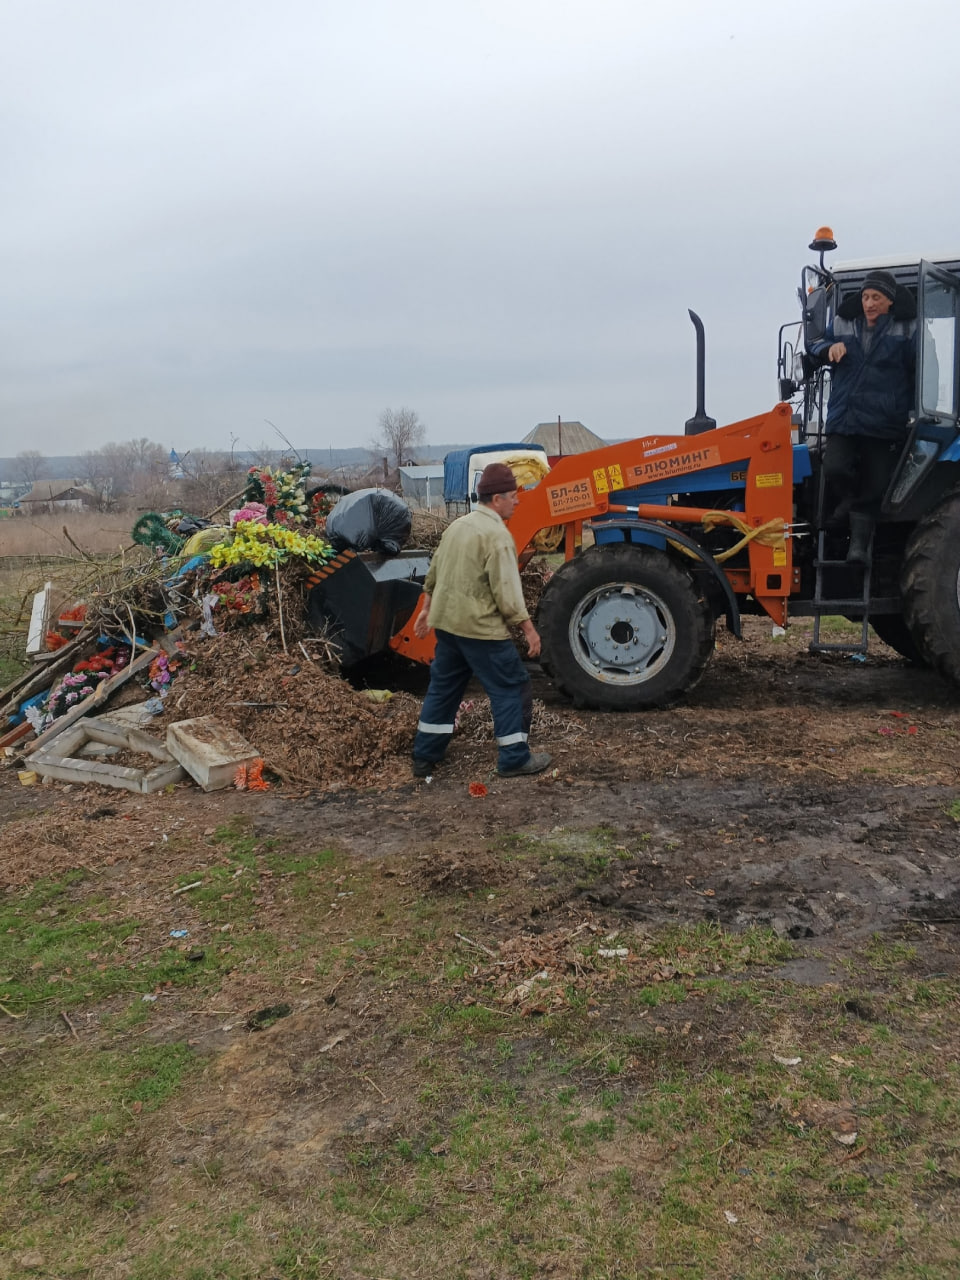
934,435
938,329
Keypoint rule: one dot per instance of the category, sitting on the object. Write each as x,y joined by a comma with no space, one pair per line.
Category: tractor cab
933,436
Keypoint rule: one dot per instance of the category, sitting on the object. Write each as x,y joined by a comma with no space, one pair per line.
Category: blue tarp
456,467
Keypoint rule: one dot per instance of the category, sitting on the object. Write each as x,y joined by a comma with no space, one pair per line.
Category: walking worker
473,597
872,346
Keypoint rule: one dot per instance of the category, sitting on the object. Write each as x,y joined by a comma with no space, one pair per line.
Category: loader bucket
362,600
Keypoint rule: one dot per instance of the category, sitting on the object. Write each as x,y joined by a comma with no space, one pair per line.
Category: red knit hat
497,478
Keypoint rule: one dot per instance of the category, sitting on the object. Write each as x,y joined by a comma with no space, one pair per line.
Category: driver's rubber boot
861,538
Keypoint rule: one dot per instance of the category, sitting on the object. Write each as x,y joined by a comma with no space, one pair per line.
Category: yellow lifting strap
771,534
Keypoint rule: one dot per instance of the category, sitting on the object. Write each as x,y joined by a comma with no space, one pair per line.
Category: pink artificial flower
254,512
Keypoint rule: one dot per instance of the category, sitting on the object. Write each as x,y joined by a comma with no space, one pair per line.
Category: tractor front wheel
624,628
930,586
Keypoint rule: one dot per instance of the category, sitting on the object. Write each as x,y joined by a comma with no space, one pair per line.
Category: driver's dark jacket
871,394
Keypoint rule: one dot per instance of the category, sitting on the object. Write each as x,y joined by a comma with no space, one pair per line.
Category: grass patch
406,1118
66,944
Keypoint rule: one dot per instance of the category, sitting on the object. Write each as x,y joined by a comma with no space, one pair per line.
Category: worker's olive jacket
473,580
872,391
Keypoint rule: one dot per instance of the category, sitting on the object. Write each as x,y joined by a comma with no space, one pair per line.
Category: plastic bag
370,520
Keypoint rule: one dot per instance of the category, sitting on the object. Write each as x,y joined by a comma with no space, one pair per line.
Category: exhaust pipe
699,422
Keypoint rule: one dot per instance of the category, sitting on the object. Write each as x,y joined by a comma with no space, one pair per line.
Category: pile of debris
193,651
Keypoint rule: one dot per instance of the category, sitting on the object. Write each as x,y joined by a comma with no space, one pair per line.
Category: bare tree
96,475
31,464
120,474
400,432
209,478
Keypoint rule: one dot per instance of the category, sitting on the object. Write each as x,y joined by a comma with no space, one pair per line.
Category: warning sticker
677,465
779,557
609,478
772,480
567,499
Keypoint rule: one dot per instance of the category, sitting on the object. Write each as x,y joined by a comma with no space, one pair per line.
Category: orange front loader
663,561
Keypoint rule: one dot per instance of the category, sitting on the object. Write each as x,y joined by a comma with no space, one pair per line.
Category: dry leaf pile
538,973
310,726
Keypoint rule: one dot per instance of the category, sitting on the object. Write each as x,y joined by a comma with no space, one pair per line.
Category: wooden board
39,617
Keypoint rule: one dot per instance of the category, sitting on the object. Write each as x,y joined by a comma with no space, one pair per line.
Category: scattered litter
28,777
613,953
477,789
524,989
264,1018
776,632
787,1062
179,933
858,657
250,777
332,1043
378,695
732,1217
150,998
195,884
845,1139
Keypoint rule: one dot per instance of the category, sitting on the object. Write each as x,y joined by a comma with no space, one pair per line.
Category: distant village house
56,495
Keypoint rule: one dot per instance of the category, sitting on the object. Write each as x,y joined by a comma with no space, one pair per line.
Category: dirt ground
817,795
811,793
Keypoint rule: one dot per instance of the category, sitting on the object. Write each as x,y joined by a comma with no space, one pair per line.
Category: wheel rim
622,634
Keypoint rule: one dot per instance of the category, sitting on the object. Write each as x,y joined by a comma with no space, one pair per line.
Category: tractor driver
872,346
473,595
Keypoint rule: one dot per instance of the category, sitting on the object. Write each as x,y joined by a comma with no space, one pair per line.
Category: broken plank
16,734
39,618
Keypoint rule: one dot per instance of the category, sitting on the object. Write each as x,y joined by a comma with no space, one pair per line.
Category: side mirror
815,315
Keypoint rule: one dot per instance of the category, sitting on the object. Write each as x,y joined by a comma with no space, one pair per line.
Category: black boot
861,538
839,520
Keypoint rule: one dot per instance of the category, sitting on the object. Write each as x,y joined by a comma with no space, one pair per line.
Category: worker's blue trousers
497,665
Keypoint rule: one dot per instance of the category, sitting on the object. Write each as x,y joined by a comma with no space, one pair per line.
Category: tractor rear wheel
895,634
624,628
930,586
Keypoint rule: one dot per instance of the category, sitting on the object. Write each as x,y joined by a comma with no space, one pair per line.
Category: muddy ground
810,793
816,795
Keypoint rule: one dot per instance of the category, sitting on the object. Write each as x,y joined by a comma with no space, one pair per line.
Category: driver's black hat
883,282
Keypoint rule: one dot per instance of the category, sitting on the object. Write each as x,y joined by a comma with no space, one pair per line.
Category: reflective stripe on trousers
498,667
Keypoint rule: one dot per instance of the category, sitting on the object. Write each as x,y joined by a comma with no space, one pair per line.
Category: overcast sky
222,212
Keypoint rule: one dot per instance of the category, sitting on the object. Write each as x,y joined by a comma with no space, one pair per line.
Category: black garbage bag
192,524
370,520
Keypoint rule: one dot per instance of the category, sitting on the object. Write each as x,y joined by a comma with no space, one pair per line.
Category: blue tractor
732,521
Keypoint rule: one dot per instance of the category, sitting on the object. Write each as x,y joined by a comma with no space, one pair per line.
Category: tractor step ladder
831,605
